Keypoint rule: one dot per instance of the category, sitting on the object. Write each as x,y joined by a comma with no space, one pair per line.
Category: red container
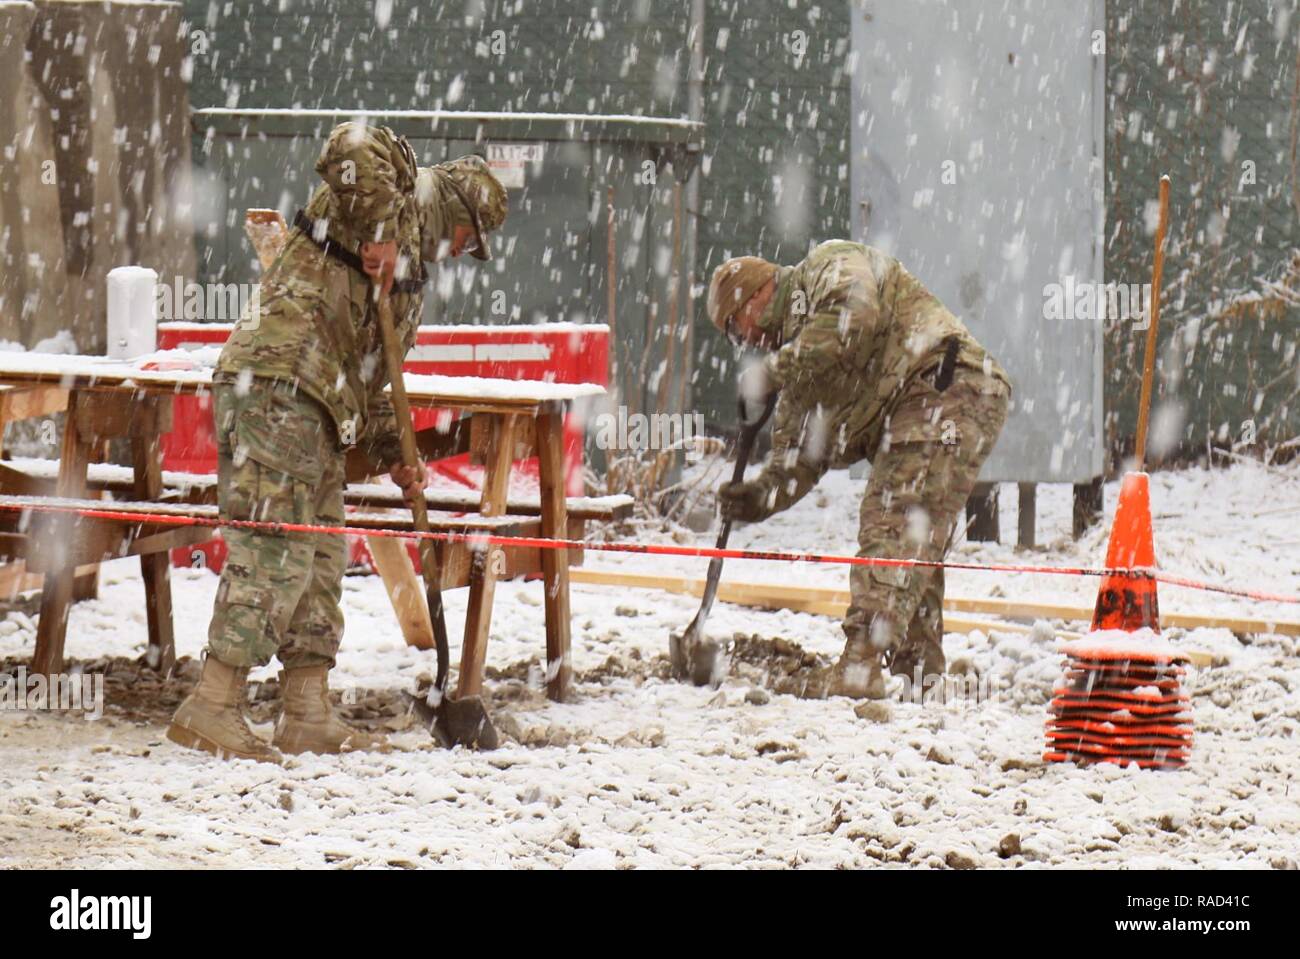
557,352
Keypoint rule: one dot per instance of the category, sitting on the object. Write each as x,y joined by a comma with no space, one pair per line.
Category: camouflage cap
733,283
481,194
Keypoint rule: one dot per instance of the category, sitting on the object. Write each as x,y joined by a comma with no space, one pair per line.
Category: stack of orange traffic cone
1122,699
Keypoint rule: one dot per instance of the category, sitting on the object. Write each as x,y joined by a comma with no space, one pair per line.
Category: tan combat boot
856,675
307,722
925,653
212,717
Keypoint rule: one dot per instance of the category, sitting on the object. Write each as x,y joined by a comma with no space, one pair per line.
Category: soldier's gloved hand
379,260
746,502
411,479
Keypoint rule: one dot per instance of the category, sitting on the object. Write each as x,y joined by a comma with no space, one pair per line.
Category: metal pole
611,281
695,110
674,301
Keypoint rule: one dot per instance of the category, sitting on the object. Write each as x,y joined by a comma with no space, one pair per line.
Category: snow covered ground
638,771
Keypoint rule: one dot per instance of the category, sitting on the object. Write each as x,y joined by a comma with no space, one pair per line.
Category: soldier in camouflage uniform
869,365
299,382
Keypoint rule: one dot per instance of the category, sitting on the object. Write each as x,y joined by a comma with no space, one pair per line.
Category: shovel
705,661
453,722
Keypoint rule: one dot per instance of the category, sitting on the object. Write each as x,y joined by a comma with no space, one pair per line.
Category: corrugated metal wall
1207,93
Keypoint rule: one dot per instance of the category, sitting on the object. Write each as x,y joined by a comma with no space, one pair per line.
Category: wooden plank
982,514
1014,609
155,567
833,602
405,593
555,562
59,539
1027,514
15,482
25,403
168,540
1089,505
487,566
577,533
56,597
488,563
13,546
454,562
94,541
771,596
108,417
497,461
15,578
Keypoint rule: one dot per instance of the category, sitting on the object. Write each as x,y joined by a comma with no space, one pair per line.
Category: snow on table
495,330
174,368
490,388
163,513
470,499
189,370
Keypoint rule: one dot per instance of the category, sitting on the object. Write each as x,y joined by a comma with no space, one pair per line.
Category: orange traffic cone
1121,702
1122,699
1129,602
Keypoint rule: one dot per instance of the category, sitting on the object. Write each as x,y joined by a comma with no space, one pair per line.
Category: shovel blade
705,662
693,656
456,722
465,722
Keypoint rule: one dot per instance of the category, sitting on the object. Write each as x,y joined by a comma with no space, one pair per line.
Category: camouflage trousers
277,461
920,480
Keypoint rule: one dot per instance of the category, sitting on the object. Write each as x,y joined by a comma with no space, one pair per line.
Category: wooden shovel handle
411,457
1149,358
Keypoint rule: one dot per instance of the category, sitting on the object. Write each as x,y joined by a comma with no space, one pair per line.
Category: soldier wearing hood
299,382
868,365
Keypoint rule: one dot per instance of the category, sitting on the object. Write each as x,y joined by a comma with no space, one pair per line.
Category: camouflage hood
483,201
371,171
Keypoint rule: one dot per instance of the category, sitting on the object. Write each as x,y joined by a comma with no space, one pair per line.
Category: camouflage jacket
856,329
316,326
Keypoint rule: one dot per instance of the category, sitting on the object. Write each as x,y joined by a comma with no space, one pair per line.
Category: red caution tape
652,549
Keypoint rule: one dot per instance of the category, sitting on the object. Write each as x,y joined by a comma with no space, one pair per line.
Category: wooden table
107,399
